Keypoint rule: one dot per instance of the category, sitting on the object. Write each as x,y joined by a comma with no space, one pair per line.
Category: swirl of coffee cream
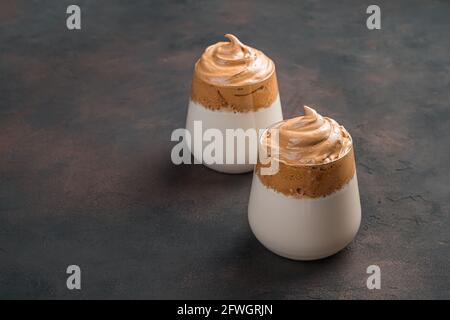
233,64
311,139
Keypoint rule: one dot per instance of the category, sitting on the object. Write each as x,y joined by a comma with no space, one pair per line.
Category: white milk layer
304,229
222,120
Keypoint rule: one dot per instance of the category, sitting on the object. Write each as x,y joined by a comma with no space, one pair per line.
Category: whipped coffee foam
235,77
315,156
310,139
233,64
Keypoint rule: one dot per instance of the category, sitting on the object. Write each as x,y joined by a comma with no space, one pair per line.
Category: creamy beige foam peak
310,139
315,156
233,64
231,75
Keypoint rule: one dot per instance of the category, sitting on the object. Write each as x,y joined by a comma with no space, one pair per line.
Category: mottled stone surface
85,171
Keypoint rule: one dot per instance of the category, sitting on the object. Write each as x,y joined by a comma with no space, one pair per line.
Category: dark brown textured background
85,170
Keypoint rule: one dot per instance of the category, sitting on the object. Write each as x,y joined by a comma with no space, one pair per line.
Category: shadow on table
257,273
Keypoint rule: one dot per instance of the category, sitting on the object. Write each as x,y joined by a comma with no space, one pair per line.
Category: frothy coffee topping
233,64
310,139
314,153
231,76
